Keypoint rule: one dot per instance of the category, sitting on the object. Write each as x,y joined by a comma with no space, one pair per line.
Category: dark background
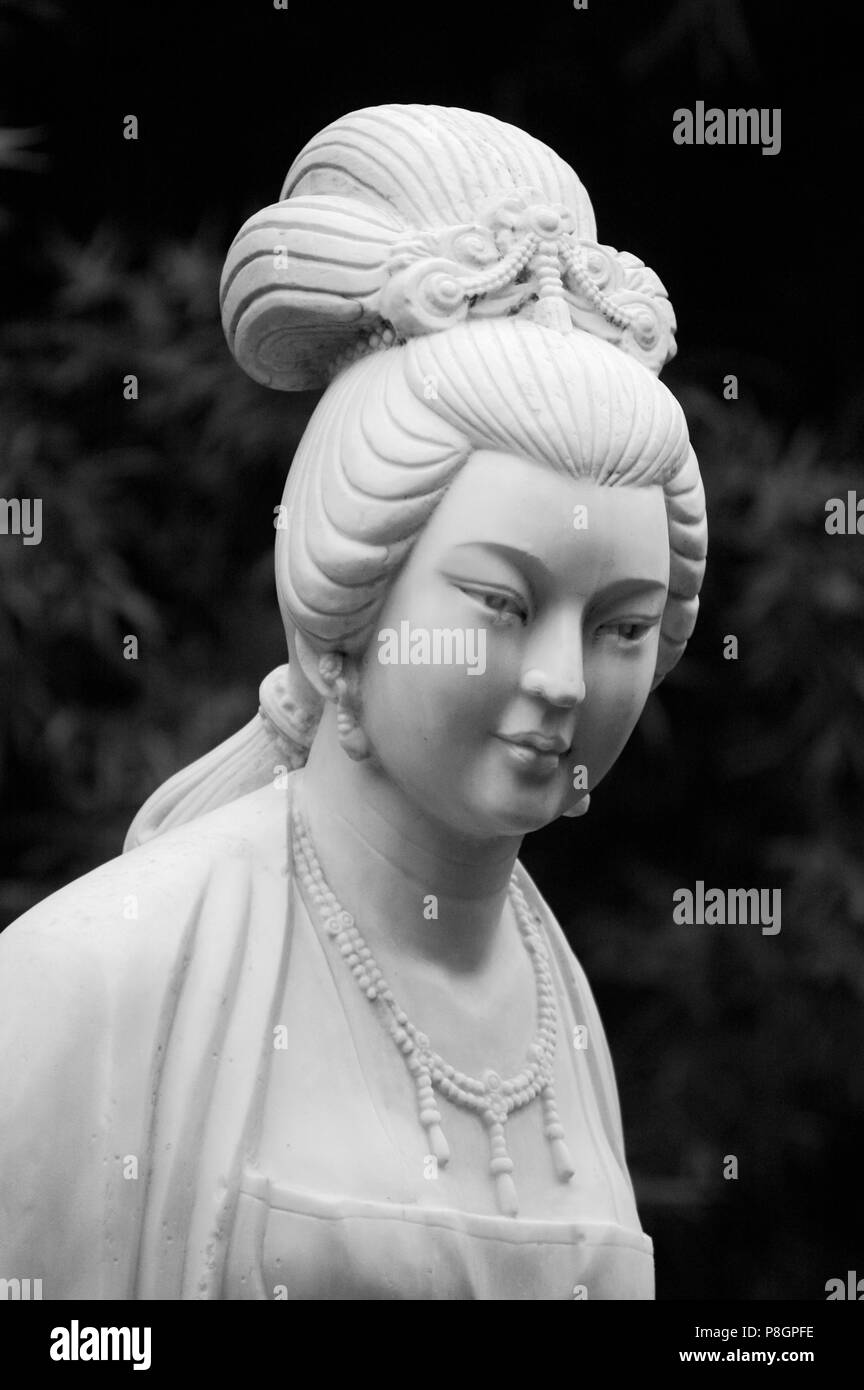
158,521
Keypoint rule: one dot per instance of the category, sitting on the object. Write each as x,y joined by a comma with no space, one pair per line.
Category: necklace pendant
491,1096
430,1116
500,1162
505,1190
564,1168
438,1144
554,1132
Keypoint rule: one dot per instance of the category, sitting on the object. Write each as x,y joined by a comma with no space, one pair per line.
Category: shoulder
106,987
140,906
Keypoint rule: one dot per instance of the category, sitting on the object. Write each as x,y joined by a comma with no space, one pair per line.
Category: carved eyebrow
530,565
622,588
526,564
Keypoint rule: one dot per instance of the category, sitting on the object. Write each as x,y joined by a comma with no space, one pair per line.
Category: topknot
397,221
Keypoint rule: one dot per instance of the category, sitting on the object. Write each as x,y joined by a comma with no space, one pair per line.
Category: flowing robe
137,1008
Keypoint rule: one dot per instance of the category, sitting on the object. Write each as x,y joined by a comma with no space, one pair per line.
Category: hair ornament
314,282
288,721
523,257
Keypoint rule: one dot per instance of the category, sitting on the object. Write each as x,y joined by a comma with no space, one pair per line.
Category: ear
310,662
336,677
324,669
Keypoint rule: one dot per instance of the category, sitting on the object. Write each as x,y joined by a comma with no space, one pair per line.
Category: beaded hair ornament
355,257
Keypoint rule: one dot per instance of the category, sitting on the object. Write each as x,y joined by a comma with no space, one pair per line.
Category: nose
566,692
554,669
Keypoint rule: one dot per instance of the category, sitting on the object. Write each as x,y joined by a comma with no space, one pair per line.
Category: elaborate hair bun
301,280
397,221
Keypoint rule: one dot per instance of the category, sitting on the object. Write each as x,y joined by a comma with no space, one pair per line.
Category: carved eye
504,608
628,632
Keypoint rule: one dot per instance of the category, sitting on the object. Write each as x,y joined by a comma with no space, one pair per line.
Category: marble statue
315,1034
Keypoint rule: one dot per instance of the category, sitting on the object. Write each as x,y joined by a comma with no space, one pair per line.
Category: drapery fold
137,1009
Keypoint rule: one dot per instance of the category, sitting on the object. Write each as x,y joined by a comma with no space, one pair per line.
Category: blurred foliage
157,518
713,33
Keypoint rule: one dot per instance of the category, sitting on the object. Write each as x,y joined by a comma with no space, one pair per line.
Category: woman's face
546,593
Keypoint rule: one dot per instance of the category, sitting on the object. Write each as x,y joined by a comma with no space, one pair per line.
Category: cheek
424,713
616,698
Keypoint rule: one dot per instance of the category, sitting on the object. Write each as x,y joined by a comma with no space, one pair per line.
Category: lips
540,743
537,755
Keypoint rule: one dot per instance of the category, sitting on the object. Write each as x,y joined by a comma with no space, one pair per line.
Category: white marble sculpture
341,1048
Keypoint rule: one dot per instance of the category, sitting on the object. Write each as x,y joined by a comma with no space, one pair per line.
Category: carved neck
389,862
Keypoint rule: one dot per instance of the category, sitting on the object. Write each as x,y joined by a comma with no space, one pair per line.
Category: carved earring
352,736
581,807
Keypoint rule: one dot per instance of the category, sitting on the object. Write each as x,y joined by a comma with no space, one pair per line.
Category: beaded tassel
551,309
554,1132
491,1097
501,1168
430,1117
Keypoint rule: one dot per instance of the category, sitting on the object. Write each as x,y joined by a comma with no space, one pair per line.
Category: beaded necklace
491,1097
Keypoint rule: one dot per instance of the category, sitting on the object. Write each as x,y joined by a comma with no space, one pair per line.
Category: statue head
492,424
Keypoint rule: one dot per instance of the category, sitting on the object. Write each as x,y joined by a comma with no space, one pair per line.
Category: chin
520,811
